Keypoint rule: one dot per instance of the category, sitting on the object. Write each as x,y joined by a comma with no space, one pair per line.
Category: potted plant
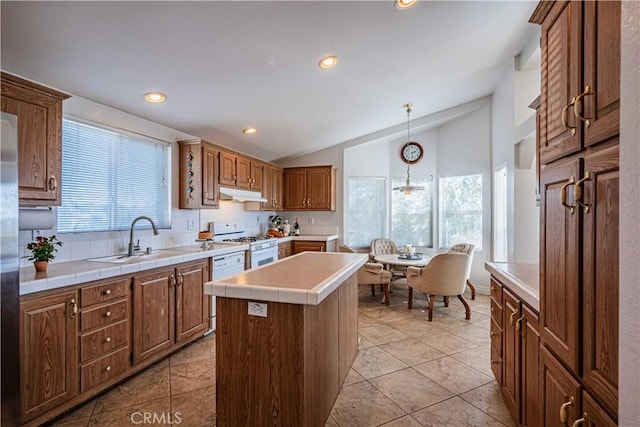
42,251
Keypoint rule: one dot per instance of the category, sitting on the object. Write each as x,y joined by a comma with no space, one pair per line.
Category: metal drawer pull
578,192
563,195
107,339
583,420
495,334
107,292
108,314
53,183
577,106
74,308
108,368
565,118
519,324
515,313
563,409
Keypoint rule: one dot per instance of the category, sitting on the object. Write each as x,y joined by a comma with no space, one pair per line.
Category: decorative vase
41,265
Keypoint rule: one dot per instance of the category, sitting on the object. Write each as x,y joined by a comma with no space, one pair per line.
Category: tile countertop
310,238
75,272
305,278
522,279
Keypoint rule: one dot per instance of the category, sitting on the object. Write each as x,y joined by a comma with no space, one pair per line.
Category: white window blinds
109,178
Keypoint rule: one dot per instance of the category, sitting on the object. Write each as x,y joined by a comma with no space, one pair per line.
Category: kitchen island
285,340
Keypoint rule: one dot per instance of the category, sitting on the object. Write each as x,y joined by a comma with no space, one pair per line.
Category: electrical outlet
191,224
257,309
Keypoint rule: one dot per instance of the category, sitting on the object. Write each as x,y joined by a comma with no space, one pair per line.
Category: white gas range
262,249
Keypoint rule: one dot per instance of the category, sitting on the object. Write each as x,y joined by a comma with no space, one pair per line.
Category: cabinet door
559,263
39,112
530,398
601,70
302,246
256,176
267,187
561,43
227,169
594,415
600,276
210,176
243,173
559,392
48,352
277,189
191,302
295,192
285,249
153,313
511,354
319,188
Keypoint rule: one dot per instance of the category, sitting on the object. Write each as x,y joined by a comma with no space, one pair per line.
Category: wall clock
411,152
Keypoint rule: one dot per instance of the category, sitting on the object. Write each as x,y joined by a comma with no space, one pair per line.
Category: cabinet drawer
496,337
496,312
104,315
102,341
104,292
496,365
104,369
496,292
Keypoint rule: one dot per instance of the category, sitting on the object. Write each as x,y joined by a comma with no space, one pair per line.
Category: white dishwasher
224,266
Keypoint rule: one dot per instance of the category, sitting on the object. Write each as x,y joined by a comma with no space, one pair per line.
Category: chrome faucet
131,245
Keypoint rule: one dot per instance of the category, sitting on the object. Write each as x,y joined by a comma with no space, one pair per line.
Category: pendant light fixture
411,153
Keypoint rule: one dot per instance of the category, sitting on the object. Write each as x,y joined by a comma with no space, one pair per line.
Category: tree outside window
411,214
461,202
367,213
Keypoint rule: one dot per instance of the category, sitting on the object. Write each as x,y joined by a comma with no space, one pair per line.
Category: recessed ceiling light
250,131
155,97
328,62
405,4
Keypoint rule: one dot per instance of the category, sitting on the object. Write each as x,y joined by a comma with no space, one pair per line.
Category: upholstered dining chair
383,246
445,275
372,273
466,248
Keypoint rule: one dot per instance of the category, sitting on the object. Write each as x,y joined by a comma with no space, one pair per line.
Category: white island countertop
305,278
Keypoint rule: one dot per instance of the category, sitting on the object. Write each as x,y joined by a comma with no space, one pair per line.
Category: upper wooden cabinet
240,172
39,112
272,188
310,188
198,175
580,85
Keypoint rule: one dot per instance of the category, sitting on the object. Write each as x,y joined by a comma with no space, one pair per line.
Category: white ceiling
228,65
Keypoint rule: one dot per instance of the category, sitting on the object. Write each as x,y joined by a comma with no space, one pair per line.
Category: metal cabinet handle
578,192
172,281
74,308
107,292
53,183
108,368
577,106
583,420
515,313
563,195
108,314
519,324
565,118
563,409
180,279
495,334
107,339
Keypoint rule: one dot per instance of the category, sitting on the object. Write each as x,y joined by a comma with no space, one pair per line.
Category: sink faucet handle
136,247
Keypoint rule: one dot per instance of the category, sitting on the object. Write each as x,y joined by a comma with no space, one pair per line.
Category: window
411,214
109,178
461,206
500,215
367,213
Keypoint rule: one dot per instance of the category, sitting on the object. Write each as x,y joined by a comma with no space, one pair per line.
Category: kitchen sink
124,259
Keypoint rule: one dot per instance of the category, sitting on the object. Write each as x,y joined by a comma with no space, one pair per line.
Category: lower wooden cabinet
559,392
313,246
75,343
48,352
285,249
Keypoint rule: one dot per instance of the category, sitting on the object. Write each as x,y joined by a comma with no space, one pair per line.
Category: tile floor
408,372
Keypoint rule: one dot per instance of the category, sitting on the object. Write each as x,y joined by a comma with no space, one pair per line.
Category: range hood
236,195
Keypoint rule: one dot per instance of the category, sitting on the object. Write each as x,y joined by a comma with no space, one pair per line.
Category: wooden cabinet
48,352
198,165
496,331
169,306
104,332
313,246
285,249
559,392
511,354
39,112
530,368
272,188
240,172
579,180
310,188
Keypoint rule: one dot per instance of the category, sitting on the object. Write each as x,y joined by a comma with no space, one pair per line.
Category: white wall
629,373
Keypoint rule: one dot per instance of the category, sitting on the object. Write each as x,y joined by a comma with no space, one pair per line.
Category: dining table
389,260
